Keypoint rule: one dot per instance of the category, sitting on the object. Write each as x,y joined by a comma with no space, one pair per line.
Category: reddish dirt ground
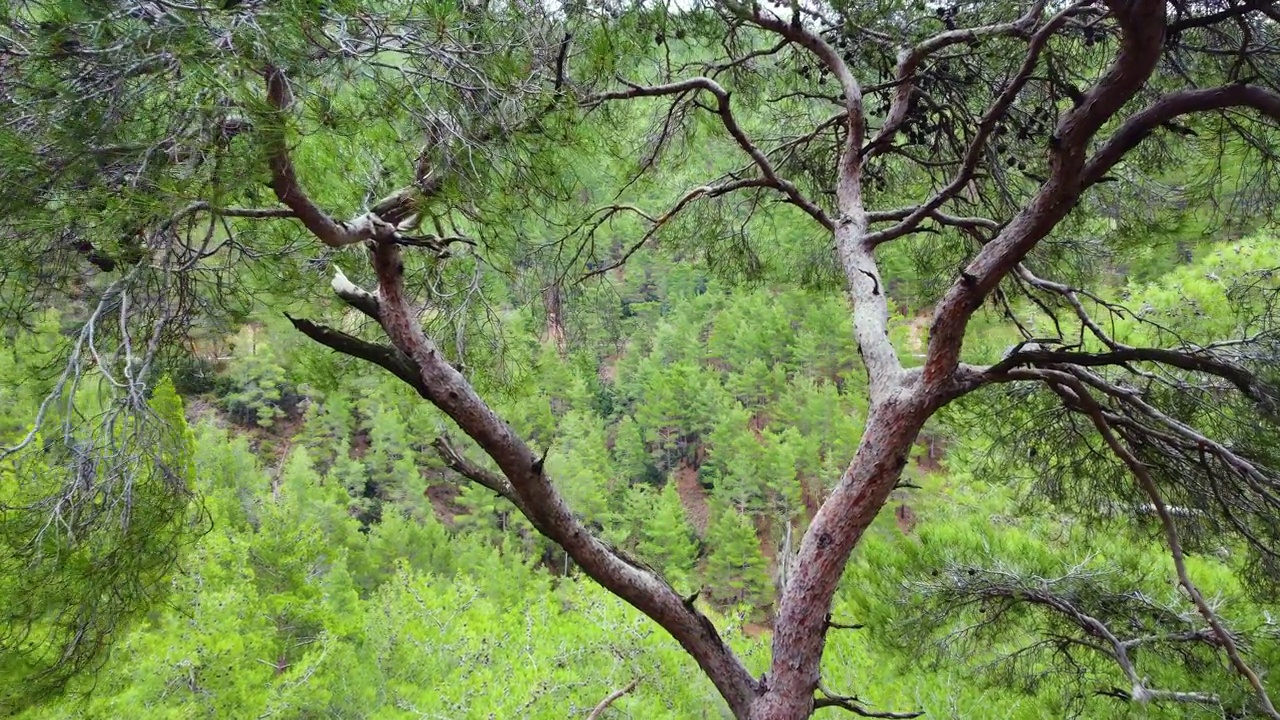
693,496
811,495
906,518
609,369
443,498
932,450
359,445
764,531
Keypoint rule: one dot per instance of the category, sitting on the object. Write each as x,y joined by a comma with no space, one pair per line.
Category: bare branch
1238,376
1228,13
389,358
1142,24
284,181
854,705
725,110
986,125
909,61
477,474
448,390
611,698
657,223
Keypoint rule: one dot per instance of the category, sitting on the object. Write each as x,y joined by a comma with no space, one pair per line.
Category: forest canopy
328,319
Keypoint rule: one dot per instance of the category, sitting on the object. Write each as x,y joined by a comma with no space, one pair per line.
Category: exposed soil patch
917,329
360,444
444,501
700,453
693,496
811,495
932,450
764,533
906,518
198,408
719,364
609,369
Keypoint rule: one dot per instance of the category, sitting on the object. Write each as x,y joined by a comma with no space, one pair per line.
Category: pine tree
668,539
736,571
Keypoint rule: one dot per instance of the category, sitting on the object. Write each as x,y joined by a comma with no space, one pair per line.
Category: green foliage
258,393
349,573
275,619
668,540
736,571
68,584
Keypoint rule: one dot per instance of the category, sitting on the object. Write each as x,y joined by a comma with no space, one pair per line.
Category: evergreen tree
668,539
736,572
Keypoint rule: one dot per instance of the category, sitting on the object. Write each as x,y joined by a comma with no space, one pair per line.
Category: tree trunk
803,614
553,304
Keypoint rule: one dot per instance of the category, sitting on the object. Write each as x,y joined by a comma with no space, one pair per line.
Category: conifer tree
736,571
667,538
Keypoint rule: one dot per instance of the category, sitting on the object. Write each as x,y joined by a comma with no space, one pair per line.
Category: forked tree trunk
902,399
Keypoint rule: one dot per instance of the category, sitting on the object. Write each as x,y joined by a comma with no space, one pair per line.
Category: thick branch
1142,24
459,463
1139,125
354,295
284,181
909,60
801,626
448,390
1238,376
385,356
986,125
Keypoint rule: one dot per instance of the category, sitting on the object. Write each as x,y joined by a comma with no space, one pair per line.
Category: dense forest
408,359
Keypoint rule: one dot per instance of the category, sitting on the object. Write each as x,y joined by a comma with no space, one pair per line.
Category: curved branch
1080,395
973,154
855,706
380,223
1142,23
459,463
611,698
445,387
909,60
1229,13
1139,125
1238,376
725,110
354,295
657,223
385,356
848,185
